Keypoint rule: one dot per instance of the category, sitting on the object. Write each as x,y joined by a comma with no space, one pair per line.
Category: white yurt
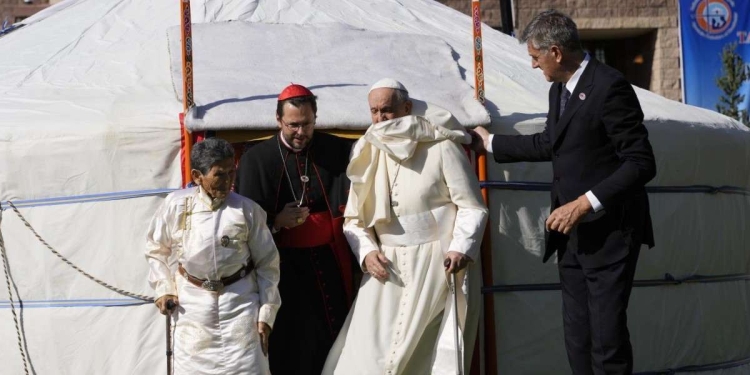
91,140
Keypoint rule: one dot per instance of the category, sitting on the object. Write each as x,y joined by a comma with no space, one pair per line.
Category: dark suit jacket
599,144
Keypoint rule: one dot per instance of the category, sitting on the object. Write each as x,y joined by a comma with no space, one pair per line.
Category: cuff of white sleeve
595,204
467,247
488,145
165,287
267,314
361,244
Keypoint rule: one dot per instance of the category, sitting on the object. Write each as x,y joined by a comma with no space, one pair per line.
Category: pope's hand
291,216
455,261
375,264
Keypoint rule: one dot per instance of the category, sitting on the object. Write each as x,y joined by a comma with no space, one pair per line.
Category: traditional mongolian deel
214,241
317,286
414,197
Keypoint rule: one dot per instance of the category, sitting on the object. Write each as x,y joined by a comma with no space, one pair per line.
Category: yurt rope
100,282
6,268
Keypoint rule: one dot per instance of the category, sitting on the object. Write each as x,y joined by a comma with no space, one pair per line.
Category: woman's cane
170,307
452,287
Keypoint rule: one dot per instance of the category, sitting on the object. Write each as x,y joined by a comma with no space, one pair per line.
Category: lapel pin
582,96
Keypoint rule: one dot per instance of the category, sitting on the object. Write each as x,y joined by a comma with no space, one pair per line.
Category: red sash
317,230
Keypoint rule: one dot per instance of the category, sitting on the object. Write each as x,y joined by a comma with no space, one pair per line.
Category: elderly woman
212,255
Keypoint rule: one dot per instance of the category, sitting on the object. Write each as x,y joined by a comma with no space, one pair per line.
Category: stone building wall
592,15
11,10
490,10
6,10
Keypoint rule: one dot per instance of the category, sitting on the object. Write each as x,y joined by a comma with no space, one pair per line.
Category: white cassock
215,332
414,214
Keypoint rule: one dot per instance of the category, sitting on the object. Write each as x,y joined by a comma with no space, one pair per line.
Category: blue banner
706,26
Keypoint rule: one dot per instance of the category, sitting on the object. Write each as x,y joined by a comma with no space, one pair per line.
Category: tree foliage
735,73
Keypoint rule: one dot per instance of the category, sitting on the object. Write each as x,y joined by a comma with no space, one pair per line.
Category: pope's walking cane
452,287
170,307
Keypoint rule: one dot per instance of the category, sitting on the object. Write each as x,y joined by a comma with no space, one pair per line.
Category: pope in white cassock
212,255
414,202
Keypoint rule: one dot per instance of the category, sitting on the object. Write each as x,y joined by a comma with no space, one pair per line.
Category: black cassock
317,267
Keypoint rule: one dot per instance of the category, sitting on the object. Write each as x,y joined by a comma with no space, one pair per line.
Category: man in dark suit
601,160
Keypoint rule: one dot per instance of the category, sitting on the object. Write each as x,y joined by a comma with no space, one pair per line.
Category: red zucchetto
294,91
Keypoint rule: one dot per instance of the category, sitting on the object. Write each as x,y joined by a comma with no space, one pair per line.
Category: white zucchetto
389,83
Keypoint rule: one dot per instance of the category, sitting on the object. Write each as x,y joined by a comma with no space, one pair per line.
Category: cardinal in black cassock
299,178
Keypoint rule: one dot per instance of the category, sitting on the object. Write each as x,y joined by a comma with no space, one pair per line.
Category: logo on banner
714,19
